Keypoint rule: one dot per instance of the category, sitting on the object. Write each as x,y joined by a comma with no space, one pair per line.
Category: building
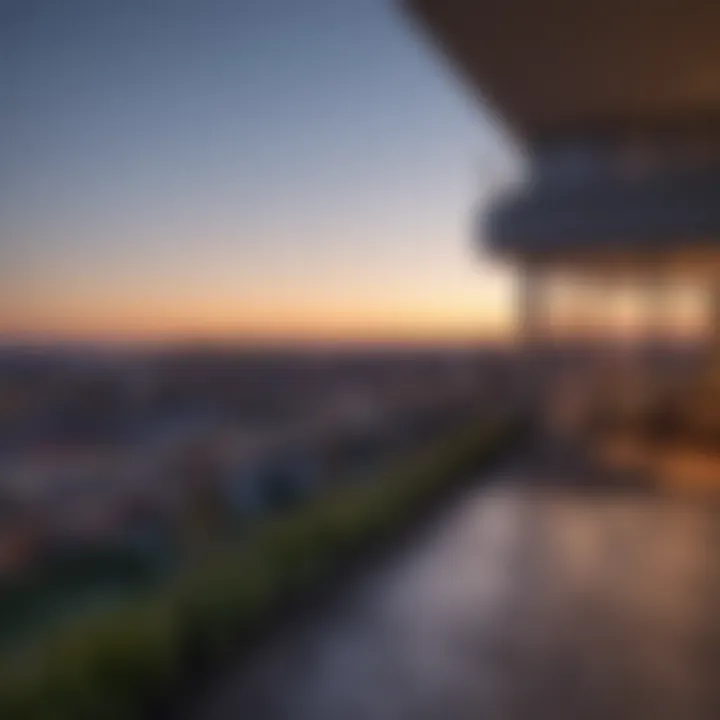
617,107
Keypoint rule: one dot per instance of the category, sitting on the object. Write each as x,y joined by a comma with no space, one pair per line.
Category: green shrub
123,663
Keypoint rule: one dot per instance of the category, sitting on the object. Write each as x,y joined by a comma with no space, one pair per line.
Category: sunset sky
230,169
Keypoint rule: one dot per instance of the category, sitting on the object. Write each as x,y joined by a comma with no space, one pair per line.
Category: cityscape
117,462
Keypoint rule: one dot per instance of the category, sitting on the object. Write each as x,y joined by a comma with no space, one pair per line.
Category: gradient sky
224,168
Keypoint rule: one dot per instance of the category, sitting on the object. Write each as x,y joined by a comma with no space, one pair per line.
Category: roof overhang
575,66
618,102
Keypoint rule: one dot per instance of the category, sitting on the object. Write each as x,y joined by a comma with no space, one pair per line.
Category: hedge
133,661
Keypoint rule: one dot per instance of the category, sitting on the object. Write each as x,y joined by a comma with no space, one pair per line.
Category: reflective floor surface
525,599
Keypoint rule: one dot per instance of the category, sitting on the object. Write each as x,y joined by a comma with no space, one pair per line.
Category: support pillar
715,320
658,313
530,332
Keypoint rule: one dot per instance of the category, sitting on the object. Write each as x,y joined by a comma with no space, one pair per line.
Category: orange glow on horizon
430,317
211,321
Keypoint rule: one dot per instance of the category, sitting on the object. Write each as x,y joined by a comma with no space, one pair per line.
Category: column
530,333
654,379
715,320
658,308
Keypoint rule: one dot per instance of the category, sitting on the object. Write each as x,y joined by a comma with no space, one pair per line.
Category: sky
226,169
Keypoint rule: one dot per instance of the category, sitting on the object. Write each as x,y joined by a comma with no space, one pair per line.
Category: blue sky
205,167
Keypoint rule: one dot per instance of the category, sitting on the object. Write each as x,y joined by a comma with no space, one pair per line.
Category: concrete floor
526,599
